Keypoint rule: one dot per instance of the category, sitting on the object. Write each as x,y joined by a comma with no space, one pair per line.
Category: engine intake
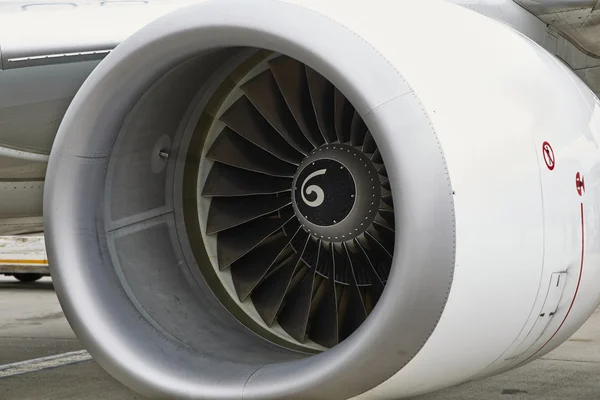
219,209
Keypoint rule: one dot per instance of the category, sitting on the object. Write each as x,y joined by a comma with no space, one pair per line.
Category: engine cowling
268,199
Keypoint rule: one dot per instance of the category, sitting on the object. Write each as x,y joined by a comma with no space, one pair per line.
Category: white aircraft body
307,199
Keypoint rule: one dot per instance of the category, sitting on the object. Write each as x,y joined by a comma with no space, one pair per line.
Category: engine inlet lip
279,27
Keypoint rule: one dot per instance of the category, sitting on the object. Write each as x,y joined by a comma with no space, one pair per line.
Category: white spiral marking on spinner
313,189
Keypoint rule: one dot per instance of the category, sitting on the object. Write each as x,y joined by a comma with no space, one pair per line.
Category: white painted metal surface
512,97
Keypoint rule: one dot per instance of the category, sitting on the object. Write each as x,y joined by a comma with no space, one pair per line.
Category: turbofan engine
272,199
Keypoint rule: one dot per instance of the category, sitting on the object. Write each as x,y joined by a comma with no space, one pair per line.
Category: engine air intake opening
222,218
294,205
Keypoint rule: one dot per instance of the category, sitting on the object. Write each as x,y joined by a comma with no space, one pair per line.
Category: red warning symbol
548,153
580,183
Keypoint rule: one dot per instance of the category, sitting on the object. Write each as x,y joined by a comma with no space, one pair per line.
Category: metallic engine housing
124,263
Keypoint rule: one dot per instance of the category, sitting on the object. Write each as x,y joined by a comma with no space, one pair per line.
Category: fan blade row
376,157
295,313
386,184
226,213
343,114
358,130
388,215
232,149
352,309
383,235
268,296
264,93
225,181
369,146
322,96
316,291
290,76
243,118
236,242
324,325
378,256
249,270
377,280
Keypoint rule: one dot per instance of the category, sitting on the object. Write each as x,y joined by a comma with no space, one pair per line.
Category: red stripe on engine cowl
576,289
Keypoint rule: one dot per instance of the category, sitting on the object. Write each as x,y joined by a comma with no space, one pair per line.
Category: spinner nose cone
336,192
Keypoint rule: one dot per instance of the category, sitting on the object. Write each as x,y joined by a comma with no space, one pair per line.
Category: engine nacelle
320,199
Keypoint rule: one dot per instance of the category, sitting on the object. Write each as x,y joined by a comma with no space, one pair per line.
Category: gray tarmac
32,325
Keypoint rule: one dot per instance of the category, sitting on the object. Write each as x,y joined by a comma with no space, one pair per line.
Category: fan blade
322,96
269,294
228,212
355,312
248,271
376,157
378,255
310,256
369,145
264,93
226,181
383,222
236,242
291,79
357,264
324,324
232,149
343,113
387,199
294,315
246,121
358,130
388,215
386,184
377,282
383,235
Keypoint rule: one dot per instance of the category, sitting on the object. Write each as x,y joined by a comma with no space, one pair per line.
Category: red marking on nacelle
576,289
548,154
580,184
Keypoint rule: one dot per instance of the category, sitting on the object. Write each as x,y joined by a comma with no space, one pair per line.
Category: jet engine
318,199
